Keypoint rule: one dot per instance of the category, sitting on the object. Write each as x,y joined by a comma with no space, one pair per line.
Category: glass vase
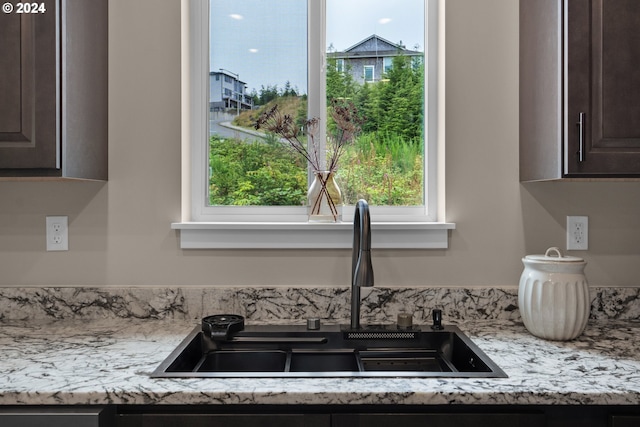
324,198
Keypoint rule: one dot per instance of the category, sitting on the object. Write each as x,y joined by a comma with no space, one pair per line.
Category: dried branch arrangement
347,126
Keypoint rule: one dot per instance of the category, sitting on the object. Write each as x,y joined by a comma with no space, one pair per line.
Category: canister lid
553,255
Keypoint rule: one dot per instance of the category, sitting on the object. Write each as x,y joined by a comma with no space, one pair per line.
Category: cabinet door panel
619,71
29,89
11,63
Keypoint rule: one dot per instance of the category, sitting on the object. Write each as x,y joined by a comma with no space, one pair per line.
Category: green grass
384,170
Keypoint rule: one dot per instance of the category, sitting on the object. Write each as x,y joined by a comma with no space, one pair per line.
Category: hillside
292,105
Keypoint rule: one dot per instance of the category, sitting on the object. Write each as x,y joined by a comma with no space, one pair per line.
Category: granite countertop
108,361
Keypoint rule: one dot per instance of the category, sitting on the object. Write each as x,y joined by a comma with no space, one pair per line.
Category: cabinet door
29,131
602,88
625,421
54,90
224,420
55,417
440,420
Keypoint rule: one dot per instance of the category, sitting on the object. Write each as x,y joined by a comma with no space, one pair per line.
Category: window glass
388,63
375,61
260,47
381,44
369,73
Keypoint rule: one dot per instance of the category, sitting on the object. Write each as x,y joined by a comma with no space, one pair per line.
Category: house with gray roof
369,59
228,92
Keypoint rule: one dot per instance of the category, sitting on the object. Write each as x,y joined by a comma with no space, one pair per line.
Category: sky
265,41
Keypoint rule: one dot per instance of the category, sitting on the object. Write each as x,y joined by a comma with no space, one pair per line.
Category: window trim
287,227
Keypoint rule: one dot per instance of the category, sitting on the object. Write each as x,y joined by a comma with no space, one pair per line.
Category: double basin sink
275,351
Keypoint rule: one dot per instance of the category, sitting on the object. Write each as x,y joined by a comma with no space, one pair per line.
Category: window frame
287,227
373,73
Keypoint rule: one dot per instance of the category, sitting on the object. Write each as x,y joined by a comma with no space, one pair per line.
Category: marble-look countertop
108,361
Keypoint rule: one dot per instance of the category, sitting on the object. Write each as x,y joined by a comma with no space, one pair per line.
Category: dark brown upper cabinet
579,89
53,90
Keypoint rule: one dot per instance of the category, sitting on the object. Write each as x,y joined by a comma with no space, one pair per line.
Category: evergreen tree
340,84
393,106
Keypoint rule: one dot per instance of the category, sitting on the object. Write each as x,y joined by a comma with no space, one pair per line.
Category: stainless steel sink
332,351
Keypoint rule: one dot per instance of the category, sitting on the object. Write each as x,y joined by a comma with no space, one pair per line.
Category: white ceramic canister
553,295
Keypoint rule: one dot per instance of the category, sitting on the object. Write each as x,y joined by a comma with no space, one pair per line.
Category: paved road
225,129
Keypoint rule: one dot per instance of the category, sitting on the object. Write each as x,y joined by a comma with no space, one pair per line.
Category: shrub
253,173
384,170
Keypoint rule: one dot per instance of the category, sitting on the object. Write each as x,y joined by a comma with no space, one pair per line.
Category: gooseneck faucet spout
362,269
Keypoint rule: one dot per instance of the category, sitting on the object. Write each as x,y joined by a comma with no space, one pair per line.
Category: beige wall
120,231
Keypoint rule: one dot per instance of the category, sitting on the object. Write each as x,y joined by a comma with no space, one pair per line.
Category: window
387,63
369,73
286,226
340,65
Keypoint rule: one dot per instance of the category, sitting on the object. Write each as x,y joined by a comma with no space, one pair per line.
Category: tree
288,90
396,103
267,94
392,106
340,85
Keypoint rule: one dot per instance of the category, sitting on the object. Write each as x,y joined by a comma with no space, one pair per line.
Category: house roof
227,73
375,46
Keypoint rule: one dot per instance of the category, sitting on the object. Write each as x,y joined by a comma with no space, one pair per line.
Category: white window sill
304,235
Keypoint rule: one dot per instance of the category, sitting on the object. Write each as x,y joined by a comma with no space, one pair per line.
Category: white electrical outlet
57,233
577,233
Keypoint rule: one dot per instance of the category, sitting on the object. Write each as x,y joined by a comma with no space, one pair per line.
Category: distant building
228,92
368,60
